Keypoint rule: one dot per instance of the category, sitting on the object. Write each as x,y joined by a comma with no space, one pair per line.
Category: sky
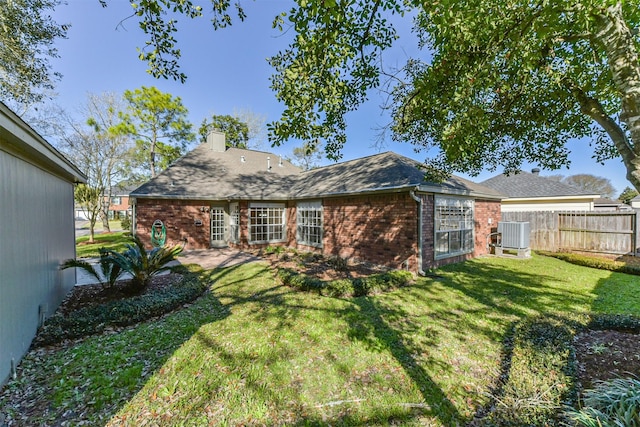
227,71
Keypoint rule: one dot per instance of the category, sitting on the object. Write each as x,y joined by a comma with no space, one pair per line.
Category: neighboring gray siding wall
36,235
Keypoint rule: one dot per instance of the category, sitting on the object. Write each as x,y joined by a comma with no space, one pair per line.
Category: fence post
635,233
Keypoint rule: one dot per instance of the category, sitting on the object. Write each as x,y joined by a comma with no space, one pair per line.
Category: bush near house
341,288
594,262
94,320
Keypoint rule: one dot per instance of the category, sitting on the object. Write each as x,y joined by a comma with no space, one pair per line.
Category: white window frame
309,223
270,228
234,222
454,230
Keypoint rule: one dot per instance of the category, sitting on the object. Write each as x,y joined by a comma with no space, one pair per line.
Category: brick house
378,208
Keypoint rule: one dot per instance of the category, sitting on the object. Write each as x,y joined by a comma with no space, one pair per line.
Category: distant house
635,202
610,205
377,209
119,206
526,191
36,231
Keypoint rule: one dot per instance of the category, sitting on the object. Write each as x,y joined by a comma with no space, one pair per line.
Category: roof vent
535,171
243,159
280,162
268,163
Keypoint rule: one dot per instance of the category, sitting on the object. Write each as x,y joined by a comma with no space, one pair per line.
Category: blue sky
227,71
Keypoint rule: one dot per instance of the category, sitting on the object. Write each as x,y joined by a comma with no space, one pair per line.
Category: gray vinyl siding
36,235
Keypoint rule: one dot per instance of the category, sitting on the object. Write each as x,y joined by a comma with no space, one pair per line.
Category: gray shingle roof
377,172
529,185
234,173
212,175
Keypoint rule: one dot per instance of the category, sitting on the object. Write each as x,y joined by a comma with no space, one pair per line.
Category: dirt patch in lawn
604,355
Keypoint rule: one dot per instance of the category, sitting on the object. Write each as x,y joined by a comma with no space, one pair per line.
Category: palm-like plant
141,264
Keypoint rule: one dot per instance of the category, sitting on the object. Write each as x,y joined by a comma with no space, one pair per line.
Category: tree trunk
613,32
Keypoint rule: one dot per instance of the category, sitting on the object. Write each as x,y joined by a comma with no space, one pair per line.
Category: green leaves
236,131
27,38
159,123
329,68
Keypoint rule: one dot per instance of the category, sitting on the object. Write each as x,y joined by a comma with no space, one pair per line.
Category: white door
218,227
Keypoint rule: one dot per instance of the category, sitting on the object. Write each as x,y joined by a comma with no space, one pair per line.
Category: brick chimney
216,141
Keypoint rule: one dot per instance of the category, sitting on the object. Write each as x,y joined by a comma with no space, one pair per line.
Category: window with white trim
453,226
234,222
266,222
309,223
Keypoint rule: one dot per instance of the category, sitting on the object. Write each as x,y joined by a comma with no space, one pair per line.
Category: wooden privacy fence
603,232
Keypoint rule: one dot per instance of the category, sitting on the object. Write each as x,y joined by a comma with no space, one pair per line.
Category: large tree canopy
501,82
498,83
157,121
27,37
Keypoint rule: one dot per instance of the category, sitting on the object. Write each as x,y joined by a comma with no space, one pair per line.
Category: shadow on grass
94,378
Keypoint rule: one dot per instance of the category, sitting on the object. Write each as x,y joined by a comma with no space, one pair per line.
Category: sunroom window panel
453,226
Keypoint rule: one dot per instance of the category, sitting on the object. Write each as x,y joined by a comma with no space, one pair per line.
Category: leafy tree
88,199
158,122
307,156
236,132
27,38
97,150
627,194
505,82
591,183
256,124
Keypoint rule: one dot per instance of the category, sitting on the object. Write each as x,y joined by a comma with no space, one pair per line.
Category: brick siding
179,218
380,228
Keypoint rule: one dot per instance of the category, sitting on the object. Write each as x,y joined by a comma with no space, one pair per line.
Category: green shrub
541,375
338,264
593,262
345,287
94,320
269,250
618,322
611,403
338,288
125,223
141,264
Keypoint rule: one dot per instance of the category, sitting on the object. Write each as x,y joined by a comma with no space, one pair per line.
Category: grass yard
114,241
253,352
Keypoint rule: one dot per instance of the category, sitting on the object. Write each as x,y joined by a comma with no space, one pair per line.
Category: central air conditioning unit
515,235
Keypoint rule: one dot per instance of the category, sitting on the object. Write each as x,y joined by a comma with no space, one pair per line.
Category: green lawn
114,241
254,352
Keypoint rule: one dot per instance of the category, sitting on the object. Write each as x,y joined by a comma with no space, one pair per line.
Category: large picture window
266,222
453,226
309,223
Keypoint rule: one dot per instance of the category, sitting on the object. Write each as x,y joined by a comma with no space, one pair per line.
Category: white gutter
419,201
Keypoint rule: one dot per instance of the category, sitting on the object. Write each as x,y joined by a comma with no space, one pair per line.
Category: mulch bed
91,295
324,268
605,355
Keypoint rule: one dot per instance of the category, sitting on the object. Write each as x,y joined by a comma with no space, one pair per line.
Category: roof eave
568,196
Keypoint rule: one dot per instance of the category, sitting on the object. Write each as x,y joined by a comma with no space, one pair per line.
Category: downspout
419,201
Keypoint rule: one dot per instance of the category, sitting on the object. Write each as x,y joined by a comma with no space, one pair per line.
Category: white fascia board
28,144
543,198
